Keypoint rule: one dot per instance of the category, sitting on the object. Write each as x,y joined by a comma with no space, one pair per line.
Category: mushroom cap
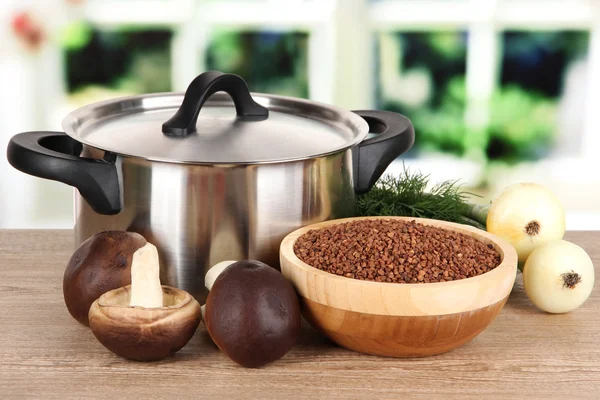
144,334
100,264
252,313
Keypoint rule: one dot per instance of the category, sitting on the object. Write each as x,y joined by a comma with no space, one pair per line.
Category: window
269,61
116,62
422,75
536,110
498,90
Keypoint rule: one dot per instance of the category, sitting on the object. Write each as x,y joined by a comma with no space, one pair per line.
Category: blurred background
499,91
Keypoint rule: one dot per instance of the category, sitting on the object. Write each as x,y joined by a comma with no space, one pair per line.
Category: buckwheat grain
397,251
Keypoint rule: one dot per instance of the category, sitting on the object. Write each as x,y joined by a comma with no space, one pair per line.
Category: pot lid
202,126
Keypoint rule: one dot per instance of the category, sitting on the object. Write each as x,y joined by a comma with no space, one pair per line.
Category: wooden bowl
400,320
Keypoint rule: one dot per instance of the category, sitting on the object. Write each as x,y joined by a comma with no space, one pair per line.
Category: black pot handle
374,155
55,156
205,85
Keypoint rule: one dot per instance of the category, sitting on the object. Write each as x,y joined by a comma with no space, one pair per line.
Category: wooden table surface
45,354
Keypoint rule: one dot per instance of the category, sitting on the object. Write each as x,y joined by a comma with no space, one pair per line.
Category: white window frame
341,63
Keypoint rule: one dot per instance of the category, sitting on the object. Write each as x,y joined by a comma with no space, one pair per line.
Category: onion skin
527,215
546,277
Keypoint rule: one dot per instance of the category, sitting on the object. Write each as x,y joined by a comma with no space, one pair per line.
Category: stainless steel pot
211,186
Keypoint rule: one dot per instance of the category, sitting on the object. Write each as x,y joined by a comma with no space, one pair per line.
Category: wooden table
45,354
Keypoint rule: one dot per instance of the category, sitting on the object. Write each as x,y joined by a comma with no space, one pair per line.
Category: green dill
407,195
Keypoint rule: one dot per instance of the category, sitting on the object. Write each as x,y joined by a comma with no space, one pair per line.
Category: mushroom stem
146,290
212,275
214,272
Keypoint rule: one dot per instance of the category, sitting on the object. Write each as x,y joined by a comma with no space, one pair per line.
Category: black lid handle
205,85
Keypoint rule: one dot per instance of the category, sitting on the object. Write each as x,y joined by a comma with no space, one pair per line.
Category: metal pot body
198,215
215,187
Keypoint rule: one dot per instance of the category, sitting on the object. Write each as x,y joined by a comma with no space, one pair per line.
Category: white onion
526,215
558,276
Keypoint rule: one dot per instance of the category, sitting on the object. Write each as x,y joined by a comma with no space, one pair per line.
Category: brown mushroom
252,312
144,321
100,264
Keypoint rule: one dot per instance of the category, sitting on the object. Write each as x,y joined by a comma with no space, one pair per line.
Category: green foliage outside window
269,62
523,108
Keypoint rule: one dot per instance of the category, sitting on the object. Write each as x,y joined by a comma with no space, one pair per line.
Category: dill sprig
407,195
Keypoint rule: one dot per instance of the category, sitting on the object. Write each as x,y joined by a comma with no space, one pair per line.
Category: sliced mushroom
145,321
